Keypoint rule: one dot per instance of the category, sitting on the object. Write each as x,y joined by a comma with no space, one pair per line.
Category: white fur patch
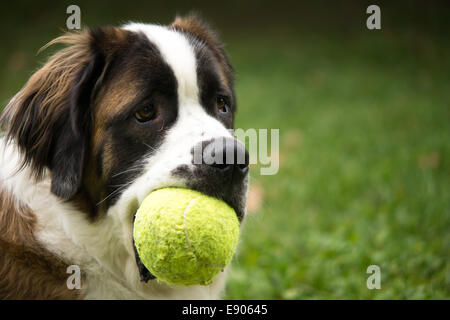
179,55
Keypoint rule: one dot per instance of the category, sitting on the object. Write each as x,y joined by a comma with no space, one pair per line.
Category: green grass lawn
365,159
364,176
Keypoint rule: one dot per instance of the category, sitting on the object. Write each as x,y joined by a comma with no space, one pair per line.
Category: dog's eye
145,114
222,104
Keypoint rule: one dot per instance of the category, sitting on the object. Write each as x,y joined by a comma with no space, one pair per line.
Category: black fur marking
72,140
211,85
144,274
212,62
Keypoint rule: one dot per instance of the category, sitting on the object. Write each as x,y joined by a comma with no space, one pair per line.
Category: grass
364,176
365,158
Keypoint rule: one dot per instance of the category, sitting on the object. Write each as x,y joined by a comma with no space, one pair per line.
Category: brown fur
48,88
27,270
111,99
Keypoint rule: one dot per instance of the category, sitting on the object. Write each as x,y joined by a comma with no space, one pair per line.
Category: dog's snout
220,169
226,155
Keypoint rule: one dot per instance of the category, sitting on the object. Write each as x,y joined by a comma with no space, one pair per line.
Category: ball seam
185,226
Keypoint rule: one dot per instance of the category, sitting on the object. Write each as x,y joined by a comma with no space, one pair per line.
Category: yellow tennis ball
184,237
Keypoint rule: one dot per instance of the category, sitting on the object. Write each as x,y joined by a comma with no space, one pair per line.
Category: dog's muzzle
220,169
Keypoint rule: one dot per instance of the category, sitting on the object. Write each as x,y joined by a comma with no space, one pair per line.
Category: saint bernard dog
112,116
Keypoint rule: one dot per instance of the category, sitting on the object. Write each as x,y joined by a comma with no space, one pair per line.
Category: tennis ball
184,237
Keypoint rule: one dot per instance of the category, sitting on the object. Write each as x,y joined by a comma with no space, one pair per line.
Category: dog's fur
75,163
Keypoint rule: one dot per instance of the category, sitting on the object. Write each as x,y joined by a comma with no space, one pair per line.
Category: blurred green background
364,135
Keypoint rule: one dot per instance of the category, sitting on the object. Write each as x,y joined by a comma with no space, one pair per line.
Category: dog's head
121,111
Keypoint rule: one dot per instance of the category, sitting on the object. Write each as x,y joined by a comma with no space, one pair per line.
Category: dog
114,115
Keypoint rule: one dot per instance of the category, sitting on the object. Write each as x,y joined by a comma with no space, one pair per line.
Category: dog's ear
196,27
68,154
50,118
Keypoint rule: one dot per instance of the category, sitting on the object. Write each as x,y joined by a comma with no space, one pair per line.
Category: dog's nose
220,170
229,156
